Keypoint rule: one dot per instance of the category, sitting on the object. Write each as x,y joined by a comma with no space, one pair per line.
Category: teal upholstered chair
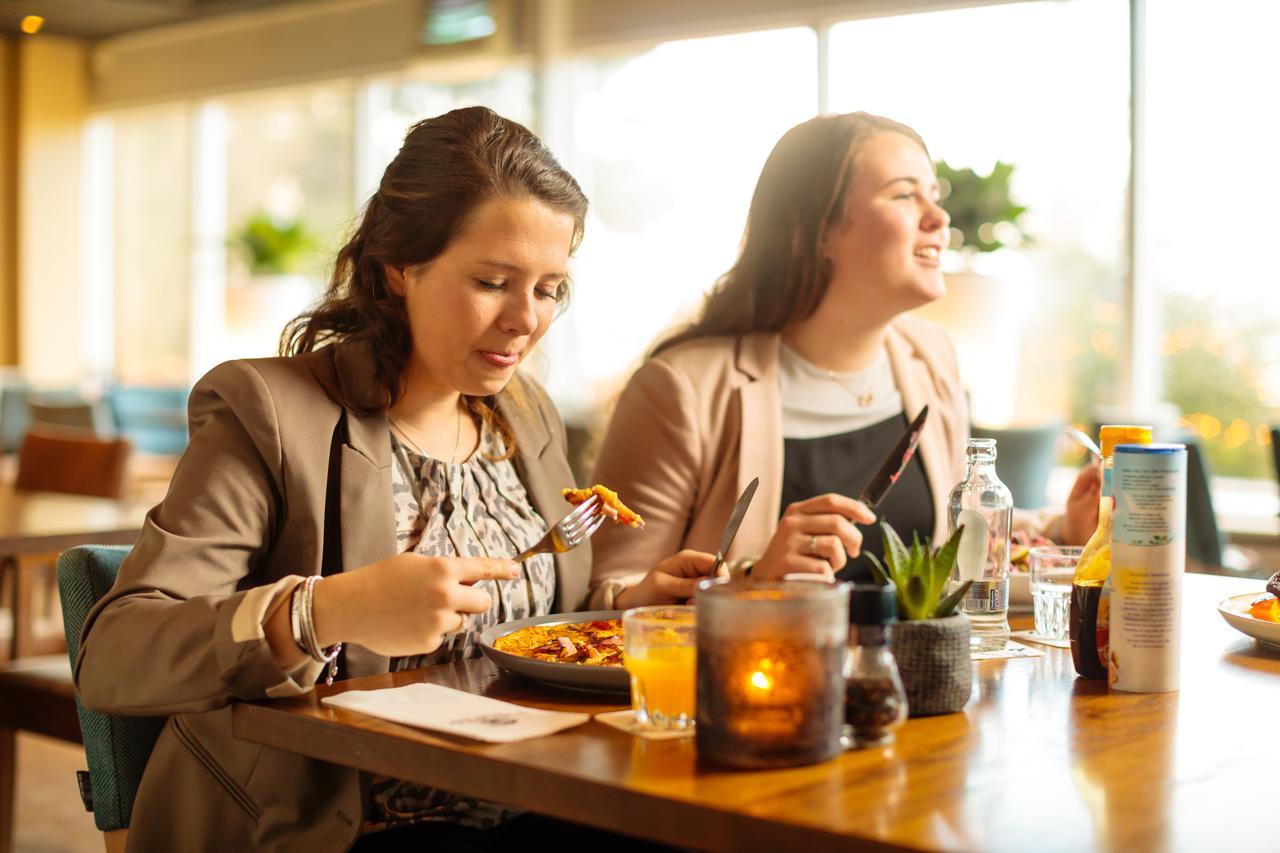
153,418
1024,459
117,748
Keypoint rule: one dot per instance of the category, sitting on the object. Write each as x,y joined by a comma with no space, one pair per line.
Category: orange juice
662,685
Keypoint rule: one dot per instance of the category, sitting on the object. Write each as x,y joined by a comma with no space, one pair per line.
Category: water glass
659,651
1053,567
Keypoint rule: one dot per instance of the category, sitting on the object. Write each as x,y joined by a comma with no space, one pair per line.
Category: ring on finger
813,546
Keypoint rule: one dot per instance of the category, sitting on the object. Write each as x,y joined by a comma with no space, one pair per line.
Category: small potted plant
931,640
273,248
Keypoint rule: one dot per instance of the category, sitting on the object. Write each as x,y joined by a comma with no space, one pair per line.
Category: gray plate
578,676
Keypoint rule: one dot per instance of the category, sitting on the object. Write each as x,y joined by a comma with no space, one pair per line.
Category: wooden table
46,523
1038,761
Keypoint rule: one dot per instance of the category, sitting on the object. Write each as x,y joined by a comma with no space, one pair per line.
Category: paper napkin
1010,650
625,720
443,709
1033,637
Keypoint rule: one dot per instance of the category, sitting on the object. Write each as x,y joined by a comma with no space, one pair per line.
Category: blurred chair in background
1275,452
153,418
1024,458
15,411
72,461
71,410
1204,539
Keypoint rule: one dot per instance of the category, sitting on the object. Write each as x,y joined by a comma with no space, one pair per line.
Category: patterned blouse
475,508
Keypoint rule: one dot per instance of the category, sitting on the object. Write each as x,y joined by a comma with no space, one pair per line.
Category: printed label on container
1147,560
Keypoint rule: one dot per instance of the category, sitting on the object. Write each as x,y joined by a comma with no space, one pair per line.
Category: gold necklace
457,436
863,399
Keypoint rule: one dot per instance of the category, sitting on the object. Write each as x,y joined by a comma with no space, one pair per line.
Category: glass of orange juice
659,649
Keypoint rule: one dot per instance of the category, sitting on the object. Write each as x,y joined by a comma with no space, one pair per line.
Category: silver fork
570,531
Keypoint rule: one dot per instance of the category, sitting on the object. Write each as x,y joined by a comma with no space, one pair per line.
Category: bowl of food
1256,614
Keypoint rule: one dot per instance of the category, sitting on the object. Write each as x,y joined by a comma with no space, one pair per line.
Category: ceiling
95,19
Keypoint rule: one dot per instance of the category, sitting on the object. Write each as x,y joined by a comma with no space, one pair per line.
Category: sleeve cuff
256,659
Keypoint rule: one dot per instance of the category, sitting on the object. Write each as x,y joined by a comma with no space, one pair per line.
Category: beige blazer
698,421
180,634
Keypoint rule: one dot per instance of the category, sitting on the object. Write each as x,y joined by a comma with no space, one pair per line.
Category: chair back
153,418
74,462
1024,460
1275,452
1204,539
117,748
15,413
57,409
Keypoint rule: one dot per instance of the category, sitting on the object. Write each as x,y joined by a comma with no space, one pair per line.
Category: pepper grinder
875,700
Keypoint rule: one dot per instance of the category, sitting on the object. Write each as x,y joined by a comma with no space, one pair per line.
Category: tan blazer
180,633
697,422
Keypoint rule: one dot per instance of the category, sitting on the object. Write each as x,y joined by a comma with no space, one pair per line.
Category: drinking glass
659,650
1053,567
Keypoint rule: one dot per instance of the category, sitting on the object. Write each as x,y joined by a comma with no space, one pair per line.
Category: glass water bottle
984,506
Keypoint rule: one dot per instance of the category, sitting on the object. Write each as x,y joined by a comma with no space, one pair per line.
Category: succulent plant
920,575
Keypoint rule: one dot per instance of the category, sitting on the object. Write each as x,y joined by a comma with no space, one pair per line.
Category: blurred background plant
983,216
274,247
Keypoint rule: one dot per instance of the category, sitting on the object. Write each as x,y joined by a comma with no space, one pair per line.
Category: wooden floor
50,817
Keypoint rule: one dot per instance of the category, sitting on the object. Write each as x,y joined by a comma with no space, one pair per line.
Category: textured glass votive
770,671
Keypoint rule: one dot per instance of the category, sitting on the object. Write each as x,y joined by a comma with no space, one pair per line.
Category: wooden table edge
600,805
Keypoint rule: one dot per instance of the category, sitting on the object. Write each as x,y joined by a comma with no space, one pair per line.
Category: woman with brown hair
804,369
353,504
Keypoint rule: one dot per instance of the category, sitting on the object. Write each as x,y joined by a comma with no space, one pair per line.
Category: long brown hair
780,275
447,166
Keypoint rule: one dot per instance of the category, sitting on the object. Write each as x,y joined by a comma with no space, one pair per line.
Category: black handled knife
895,463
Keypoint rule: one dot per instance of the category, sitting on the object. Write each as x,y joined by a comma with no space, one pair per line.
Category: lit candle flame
760,681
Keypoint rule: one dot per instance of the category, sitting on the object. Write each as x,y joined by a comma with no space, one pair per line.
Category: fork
570,531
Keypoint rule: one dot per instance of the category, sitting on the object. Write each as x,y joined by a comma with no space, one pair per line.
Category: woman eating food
352,507
805,368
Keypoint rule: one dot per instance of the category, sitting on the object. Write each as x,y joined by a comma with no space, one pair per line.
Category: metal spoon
1084,441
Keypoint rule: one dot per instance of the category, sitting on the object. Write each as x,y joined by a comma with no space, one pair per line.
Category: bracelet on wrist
305,610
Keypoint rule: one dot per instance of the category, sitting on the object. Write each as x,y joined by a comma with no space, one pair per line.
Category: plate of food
580,650
1256,613
1020,545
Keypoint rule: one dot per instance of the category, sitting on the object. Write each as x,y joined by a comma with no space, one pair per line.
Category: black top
844,464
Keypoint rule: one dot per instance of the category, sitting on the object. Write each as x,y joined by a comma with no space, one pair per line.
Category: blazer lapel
760,447
914,382
369,534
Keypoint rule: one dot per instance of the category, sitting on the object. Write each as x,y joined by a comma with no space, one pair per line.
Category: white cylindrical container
1148,553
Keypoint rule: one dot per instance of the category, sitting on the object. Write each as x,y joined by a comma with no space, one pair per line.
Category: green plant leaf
944,562
918,605
878,571
895,554
947,606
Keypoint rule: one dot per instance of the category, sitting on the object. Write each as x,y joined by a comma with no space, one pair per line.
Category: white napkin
1033,637
1010,650
625,720
443,709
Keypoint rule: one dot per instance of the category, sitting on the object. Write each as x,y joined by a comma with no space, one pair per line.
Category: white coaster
625,720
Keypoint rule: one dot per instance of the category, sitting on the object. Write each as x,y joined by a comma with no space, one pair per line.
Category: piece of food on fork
612,507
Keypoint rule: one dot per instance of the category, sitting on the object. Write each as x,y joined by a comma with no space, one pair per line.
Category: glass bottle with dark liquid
1089,624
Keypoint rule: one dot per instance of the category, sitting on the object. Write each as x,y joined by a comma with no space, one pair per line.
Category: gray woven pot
933,657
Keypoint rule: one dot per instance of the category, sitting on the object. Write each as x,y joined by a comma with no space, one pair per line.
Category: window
667,145
290,157
152,201
1042,86
1210,194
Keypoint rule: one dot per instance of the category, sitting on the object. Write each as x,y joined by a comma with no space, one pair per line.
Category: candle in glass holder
770,671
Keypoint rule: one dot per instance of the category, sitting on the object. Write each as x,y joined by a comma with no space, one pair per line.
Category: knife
735,519
895,463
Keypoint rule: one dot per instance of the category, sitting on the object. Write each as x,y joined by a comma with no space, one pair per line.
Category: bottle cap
1114,434
873,604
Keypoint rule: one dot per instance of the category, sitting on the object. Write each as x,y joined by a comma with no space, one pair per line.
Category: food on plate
597,643
613,507
1020,544
1267,608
